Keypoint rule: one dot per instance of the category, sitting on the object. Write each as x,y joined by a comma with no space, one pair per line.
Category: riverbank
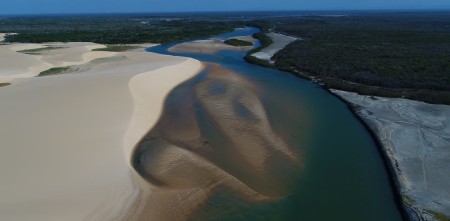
302,118
67,138
414,137
422,190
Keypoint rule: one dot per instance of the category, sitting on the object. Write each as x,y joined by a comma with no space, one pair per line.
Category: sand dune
65,139
16,65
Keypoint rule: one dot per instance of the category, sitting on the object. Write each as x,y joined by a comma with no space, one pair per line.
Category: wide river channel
244,142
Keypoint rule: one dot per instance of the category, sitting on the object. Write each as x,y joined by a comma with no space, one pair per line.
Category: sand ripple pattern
214,147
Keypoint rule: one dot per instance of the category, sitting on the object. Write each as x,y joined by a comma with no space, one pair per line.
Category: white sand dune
16,65
65,140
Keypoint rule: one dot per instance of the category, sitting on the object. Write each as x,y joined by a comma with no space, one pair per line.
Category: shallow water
242,142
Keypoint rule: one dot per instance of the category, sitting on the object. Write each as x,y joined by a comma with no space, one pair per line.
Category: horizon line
226,11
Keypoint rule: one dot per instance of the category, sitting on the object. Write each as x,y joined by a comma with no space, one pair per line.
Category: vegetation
237,42
407,200
4,84
54,71
117,48
264,25
387,54
36,51
439,216
118,29
380,54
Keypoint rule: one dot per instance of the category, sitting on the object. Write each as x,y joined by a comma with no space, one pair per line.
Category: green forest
111,29
396,55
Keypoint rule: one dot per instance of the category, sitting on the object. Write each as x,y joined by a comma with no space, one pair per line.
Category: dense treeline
111,30
406,52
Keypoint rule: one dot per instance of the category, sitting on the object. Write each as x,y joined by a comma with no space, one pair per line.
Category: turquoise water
342,176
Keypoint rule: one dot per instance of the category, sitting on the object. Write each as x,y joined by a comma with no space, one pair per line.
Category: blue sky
100,6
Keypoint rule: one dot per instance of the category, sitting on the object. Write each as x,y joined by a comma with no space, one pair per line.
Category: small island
237,43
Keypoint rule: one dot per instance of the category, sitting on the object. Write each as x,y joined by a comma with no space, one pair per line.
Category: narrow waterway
243,142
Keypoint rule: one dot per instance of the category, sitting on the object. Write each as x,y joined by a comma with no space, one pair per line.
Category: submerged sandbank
214,144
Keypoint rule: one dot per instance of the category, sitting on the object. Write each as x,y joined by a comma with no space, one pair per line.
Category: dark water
341,176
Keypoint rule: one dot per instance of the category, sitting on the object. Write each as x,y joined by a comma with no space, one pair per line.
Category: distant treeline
111,30
397,55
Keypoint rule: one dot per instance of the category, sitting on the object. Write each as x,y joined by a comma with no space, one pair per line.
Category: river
243,142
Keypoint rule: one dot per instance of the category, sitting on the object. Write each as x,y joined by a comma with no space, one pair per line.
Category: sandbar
210,46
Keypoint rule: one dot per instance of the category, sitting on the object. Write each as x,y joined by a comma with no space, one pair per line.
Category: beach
67,139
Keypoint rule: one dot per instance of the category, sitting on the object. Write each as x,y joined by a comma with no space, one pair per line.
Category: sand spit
234,159
17,64
210,46
65,138
279,42
416,138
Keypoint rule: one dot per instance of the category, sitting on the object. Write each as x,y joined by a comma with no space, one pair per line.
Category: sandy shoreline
66,139
414,136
